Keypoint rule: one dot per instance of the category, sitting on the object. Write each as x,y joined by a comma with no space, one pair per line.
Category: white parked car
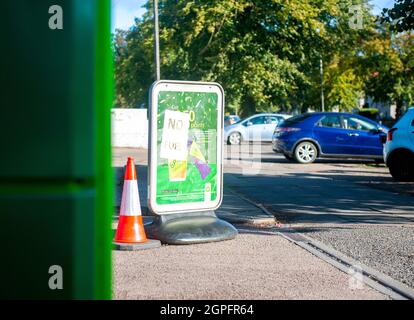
259,127
399,148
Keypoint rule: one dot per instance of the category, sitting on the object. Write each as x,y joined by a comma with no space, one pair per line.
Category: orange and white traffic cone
130,230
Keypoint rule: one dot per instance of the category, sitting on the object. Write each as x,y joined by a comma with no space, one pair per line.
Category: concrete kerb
255,214
373,278
397,286
243,221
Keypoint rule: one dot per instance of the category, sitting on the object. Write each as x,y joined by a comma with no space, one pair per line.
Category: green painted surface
190,190
202,107
41,230
104,174
47,100
55,169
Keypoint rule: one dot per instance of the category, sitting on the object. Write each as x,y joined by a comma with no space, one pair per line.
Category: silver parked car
231,119
259,127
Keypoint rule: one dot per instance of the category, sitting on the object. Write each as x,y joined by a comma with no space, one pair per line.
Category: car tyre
305,152
234,138
378,161
401,167
288,157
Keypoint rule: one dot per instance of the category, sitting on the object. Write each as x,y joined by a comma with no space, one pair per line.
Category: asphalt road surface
353,206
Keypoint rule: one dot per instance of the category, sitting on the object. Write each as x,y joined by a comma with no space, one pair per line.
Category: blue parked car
329,134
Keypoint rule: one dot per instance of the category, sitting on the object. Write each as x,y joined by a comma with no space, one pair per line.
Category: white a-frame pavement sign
185,160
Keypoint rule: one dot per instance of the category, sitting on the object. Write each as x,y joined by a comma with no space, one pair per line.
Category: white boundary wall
129,128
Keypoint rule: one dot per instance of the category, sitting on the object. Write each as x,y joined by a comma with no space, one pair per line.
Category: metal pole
156,41
322,94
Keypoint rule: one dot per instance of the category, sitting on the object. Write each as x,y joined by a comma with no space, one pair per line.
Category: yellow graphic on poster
177,170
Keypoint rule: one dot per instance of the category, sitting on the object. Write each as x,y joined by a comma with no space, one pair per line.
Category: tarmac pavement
252,266
256,265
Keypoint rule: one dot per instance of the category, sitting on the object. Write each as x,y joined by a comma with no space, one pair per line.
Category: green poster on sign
186,147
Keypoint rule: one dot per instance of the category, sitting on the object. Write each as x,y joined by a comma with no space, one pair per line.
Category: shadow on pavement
305,197
319,160
319,198
303,230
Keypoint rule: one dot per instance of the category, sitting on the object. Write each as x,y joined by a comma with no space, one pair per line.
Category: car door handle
353,134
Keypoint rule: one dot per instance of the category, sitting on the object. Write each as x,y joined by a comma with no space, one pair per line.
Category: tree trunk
399,109
247,107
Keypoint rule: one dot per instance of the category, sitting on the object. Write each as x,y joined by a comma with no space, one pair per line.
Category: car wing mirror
249,123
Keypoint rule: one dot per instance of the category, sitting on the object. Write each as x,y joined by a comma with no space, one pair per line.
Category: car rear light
286,129
390,134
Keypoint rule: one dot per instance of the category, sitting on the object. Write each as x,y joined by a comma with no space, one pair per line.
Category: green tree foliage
133,66
265,53
343,86
401,16
388,66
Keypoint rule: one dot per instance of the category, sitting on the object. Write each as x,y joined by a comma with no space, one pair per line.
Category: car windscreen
294,120
239,121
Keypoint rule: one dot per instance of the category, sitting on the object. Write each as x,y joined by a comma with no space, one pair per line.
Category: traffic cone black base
149,244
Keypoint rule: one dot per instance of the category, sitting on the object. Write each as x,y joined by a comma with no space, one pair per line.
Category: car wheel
305,152
401,168
234,138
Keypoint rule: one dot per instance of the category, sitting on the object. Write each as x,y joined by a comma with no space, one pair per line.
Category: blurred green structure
55,164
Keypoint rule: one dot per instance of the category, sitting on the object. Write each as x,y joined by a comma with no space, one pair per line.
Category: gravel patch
389,249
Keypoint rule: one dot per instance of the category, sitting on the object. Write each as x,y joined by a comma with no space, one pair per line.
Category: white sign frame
190,86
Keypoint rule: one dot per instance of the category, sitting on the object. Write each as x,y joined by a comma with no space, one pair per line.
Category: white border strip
167,85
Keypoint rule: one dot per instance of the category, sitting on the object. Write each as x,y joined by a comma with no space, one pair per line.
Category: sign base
190,228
